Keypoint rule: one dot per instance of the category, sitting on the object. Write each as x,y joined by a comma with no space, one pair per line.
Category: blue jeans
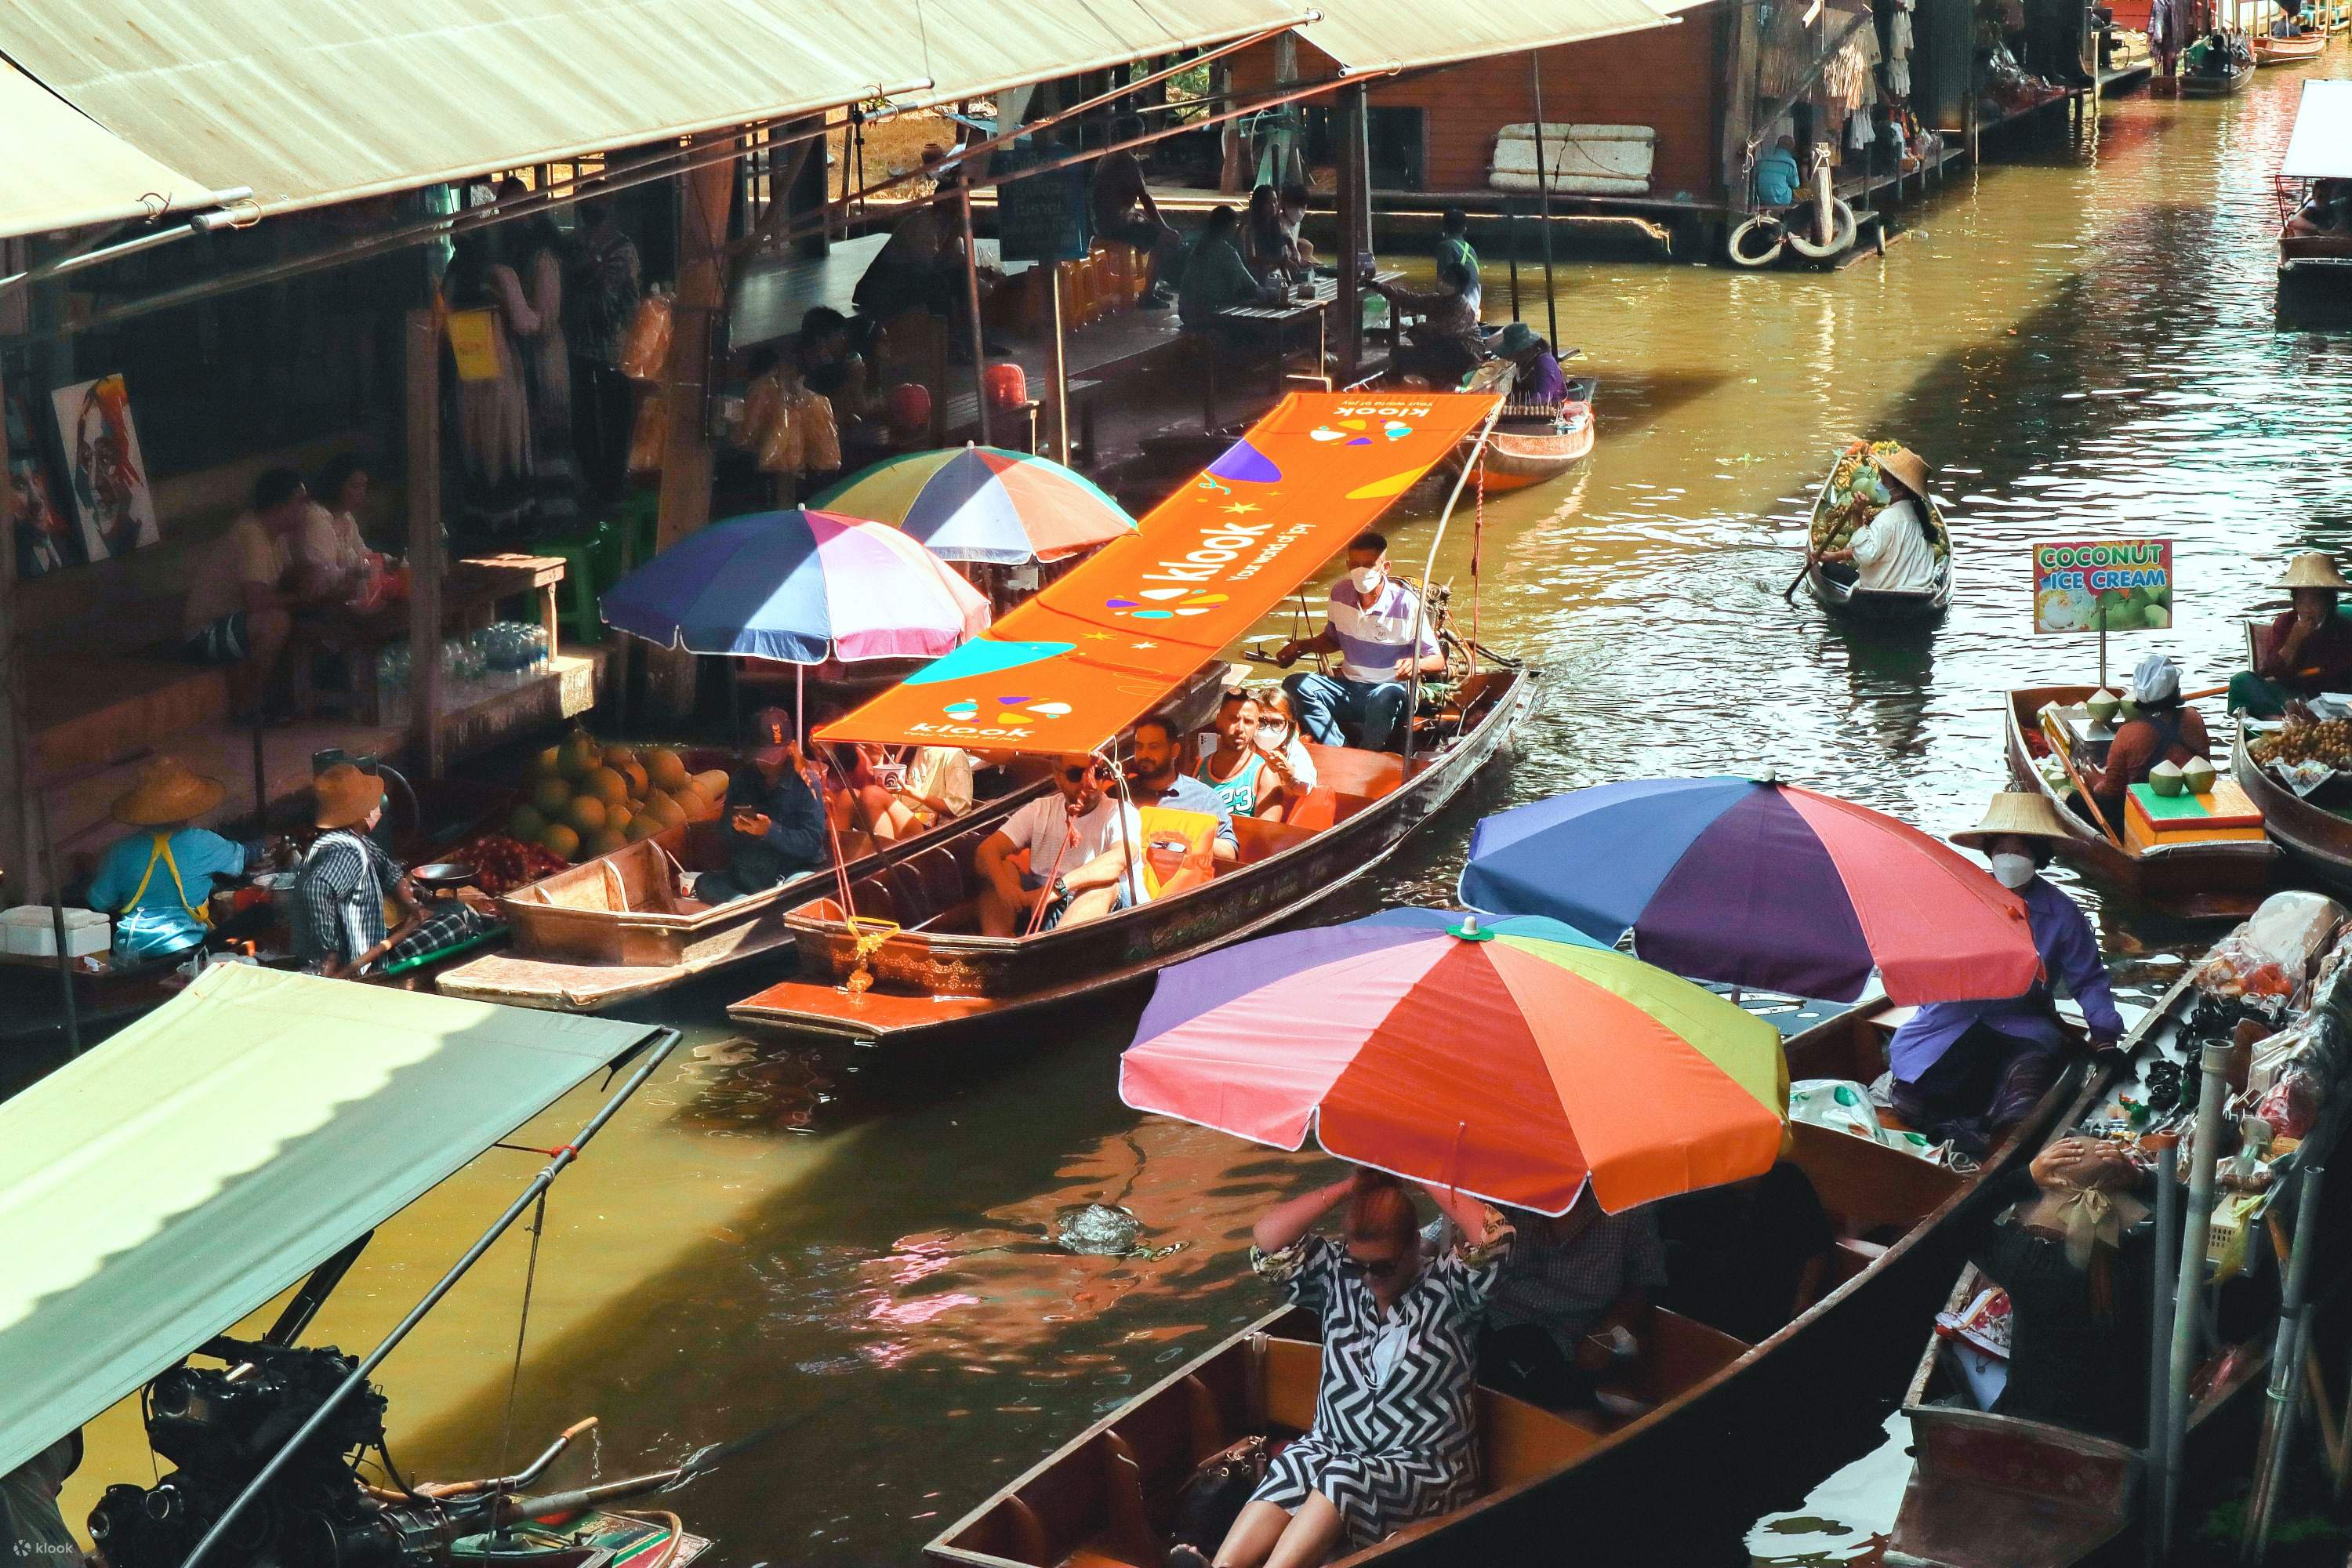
1336,712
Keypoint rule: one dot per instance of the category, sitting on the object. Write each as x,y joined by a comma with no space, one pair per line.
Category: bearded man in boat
1064,857
1372,627
1896,552
2167,730
1155,777
2304,652
1970,1070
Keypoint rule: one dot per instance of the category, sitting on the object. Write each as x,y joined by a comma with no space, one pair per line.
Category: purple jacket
2069,953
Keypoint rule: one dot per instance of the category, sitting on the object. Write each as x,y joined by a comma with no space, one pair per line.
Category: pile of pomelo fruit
582,799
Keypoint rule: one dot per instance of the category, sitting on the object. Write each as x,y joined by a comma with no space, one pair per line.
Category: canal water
859,1266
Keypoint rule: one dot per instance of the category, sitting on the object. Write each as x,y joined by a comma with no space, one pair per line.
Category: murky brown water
2081,341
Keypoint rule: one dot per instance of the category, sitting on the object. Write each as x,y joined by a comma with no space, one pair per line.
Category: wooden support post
426,565
684,505
972,305
1543,195
1061,368
1354,225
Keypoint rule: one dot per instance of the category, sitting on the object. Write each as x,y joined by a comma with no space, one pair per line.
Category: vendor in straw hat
347,879
158,883
2305,650
1969,1071
1894,552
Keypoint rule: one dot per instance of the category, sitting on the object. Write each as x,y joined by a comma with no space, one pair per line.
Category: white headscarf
2158,680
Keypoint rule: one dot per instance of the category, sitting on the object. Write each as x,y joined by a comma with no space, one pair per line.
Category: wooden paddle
2067,762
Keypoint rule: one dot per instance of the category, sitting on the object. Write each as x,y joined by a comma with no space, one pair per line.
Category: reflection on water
870,1264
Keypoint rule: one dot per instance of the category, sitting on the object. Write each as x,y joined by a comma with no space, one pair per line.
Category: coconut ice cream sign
2103,586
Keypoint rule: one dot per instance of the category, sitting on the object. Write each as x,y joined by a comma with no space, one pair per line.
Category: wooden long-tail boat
935,976
2213,84
1104,1497
2216,877
1533,443
2316,839
2270,51
1881,605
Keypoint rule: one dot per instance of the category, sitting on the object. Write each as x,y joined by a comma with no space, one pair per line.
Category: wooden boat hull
1518,460
932,986
2196,84
2215,880
2289,51
1603,1485
2315,838
1877,605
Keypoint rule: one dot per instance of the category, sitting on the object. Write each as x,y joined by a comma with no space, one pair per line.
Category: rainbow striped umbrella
1516,1061
983,504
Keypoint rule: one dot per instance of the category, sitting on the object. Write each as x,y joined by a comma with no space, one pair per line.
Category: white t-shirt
1042,826
330,542
1893,556
941,773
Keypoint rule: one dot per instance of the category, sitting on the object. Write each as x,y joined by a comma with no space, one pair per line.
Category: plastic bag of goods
2266,961
645,351
650,435
1844,1105
781,448
820,433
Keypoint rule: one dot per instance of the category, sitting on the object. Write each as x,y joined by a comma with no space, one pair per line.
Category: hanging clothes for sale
1857,131
1899,38
1849,77
1898,78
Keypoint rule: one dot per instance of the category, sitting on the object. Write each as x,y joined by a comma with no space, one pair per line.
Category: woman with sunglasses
1393,1438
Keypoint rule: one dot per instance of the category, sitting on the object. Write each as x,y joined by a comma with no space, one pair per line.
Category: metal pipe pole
666,1040
1543,195
2285,1391
2159,1352
971,303
1470,462
2189,1299
1511,229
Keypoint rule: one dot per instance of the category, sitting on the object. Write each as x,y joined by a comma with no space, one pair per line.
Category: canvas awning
158,1189
66,171
310,101
2321,147
1373,35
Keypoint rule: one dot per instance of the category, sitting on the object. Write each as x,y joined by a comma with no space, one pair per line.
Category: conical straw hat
2019,812
168,791
1908,466
2312,569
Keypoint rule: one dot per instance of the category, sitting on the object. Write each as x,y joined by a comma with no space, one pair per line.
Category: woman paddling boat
1878,547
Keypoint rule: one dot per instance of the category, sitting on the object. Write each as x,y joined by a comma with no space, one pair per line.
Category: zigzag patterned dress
1386,1451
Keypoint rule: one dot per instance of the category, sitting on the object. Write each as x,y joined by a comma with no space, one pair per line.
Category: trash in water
1100,1230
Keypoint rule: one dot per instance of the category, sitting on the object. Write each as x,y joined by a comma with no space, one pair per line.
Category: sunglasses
1092,770
1369,1268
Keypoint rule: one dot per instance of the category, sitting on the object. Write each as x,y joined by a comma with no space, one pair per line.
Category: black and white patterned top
1393,1438
338,897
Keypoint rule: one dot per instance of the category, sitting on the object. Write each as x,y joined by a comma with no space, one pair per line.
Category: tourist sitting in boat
1393,1439
346,881
1278,734
158,883
2167,730
1777,176
2076,1263
1372,628
1216,278
2303,651
31,1527
1970,1070
1894,552
775,827
1155,776
2328,210
907,790
1565,1276
1540,382
1246,781
1064,857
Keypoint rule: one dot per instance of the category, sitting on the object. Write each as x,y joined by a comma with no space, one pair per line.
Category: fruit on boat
2165,778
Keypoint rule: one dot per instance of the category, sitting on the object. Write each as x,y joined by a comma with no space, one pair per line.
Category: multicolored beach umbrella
1516,1061
798,586
983,504
1757,884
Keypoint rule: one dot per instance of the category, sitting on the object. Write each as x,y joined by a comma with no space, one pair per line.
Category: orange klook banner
1099,649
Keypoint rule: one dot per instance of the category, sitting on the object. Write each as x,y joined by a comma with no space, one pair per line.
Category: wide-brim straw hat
2016,813
2314,569
168,791
345,795
1908,466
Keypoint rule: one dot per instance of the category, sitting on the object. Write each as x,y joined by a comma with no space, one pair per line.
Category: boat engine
220,1427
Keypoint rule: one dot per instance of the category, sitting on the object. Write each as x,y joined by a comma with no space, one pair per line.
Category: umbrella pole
799,705
1061,370
1475,458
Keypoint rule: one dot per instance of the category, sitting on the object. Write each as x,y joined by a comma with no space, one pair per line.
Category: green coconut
2101,706
2197,774
2166,778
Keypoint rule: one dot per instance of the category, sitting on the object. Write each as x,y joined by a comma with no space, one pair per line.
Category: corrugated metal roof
1405,34
65,172
315,101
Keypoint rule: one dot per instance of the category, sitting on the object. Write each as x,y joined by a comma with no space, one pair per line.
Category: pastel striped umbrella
1760,884
984,503
1516,1061
798,586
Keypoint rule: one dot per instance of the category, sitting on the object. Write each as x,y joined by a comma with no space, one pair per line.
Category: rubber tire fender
1841,234
1738,258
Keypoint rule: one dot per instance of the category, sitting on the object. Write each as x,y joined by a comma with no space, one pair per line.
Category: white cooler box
30,929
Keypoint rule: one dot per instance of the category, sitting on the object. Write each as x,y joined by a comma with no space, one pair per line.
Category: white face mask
2012,871
1365,578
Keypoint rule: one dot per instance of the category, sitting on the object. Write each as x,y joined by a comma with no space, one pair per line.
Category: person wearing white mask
1372,627
1970,1070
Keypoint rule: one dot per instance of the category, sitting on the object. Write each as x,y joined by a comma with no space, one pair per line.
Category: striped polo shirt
1373,636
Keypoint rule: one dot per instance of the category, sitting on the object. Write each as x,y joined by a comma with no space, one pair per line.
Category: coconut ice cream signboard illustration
2103,586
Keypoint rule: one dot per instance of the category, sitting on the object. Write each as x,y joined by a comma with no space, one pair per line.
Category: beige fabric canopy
311,101
64,171
166,1184
1371,36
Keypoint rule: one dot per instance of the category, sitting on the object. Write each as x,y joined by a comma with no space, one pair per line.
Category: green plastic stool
585,557
638,523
